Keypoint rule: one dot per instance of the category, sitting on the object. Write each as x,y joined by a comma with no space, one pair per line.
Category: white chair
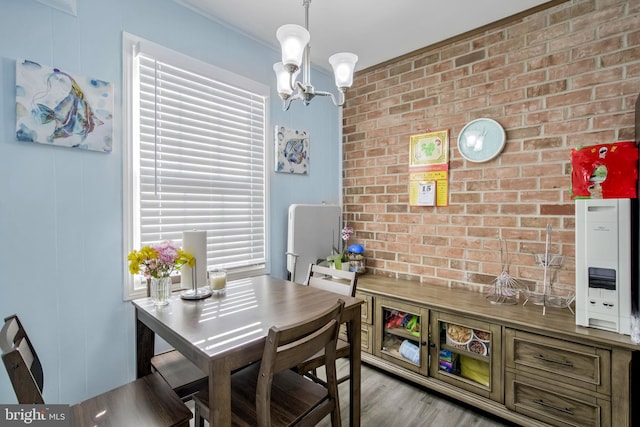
343,283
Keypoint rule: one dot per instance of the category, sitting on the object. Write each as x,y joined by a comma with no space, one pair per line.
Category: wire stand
195,293
550,263
505,289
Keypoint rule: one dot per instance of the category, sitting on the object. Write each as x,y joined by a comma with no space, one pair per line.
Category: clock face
481,140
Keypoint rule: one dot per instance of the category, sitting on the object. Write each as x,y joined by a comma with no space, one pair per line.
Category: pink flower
167,252
346,233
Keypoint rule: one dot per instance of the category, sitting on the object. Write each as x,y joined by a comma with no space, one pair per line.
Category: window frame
131,180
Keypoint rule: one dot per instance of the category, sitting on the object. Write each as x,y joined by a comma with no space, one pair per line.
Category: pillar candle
217,280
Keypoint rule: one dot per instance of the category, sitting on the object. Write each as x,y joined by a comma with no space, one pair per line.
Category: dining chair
184,378
147,401
341,282
269,393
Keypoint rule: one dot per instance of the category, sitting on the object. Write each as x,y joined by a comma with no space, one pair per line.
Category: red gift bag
604,171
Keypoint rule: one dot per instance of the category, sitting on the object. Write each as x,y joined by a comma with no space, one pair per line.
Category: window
194,158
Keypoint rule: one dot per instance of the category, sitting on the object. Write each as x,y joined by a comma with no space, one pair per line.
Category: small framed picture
429,148
292,151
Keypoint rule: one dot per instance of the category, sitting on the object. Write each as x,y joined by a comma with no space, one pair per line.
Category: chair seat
146,402
291,396
317,360
183,377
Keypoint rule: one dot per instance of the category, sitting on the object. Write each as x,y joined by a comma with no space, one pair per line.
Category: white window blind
199,160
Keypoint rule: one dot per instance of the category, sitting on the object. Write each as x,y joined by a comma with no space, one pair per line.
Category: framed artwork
429,148
429,169
292,151
56,107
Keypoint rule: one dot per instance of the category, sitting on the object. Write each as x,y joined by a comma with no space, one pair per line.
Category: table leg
219,394
145,341
354,368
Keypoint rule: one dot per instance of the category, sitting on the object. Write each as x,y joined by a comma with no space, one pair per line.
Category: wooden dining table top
237,322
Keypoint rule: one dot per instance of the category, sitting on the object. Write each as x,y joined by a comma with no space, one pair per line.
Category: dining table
227,332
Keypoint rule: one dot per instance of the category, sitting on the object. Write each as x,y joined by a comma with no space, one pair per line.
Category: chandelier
294,42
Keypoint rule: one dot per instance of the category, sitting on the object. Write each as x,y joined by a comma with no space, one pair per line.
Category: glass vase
160,290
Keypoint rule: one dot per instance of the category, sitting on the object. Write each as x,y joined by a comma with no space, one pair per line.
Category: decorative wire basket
549,297
557,298
505,289
554,260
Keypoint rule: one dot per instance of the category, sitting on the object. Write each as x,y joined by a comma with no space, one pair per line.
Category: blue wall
61,256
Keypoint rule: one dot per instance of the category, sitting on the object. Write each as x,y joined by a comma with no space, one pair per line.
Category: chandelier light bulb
293,41
343,65
284,79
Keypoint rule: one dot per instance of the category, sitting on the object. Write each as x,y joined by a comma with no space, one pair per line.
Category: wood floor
388,401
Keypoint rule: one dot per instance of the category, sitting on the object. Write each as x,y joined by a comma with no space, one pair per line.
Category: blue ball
356,249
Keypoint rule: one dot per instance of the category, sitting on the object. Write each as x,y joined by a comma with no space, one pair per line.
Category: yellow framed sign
429,169
429,148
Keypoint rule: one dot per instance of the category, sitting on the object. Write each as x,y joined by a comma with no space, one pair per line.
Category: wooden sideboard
531,369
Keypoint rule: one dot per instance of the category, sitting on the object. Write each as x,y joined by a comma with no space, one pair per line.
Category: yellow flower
160,260
185,258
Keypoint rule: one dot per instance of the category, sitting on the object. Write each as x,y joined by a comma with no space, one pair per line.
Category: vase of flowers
158,262
160,290
339,259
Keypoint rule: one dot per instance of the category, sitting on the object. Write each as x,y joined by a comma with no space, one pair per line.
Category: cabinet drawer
367,339
579,366
555,405
366,309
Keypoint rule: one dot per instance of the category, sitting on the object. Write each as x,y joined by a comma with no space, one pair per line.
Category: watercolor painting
292,151
57,108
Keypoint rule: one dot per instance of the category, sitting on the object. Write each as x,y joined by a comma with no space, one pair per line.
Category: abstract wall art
292,151
56,107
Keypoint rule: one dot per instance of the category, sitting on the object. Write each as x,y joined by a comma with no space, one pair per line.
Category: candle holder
218,281
195,293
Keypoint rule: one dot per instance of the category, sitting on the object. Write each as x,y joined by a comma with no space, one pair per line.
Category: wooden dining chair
269,393
341,282
147,401
183,377
180,373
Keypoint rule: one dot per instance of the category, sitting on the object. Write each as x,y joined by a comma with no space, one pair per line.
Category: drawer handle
547,359
551,406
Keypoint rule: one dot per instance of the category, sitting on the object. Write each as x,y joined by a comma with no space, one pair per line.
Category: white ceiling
375,30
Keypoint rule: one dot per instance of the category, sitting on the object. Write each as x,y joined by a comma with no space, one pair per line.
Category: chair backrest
21,361
286,347
338,281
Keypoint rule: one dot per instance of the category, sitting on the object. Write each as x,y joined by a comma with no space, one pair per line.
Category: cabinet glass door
467,354
402,335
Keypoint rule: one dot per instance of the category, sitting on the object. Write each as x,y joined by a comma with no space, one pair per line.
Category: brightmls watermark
34,415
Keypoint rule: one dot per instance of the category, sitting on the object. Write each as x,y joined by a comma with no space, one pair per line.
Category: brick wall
560,78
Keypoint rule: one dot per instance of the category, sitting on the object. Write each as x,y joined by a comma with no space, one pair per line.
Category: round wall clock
481,140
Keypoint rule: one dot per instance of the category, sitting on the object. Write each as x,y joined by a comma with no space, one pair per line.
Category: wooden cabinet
367,322
557,381
523,366
401,334
467,353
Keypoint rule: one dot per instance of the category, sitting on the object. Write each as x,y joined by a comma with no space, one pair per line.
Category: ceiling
375,30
